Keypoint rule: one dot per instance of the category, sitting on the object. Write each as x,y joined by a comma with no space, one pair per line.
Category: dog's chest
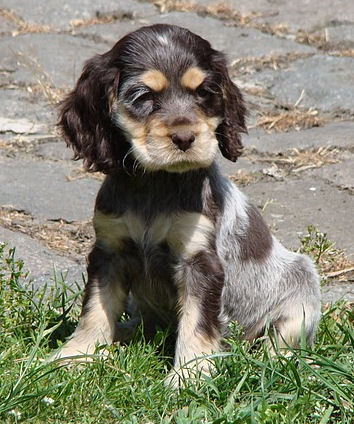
184,234
148,250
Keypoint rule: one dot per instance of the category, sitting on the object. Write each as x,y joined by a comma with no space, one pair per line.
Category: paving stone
337,291
294,15
327,82
42,263
113,32
297,203
56,14
340,36
54,150
335,134
19,104
56,58
236,42
340,175
20,126
6,27
43,190
231,168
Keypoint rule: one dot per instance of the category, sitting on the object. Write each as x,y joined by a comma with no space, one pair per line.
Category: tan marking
192,78
187,233
155,80
190,233
142,233
135,226
160,228
190,343
135,129
212,122
158,128
203,124
110,230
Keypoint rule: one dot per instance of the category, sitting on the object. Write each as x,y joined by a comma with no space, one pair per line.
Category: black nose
183,139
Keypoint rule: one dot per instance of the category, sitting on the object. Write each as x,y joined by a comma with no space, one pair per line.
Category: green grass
312,386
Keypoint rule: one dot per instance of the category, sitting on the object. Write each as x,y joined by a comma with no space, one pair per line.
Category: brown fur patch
192,78
154,79
207,267
257,242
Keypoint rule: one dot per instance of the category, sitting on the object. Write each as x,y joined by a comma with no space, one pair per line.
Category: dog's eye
208,98
145,97
140,101
148,102
202,92
145,102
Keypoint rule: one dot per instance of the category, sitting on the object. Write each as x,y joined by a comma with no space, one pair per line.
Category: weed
331,261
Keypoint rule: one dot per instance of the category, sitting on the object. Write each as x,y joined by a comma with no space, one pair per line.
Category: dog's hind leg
296,321
298,311
287,326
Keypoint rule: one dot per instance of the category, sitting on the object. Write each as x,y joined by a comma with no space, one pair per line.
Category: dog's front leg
104,302
200,281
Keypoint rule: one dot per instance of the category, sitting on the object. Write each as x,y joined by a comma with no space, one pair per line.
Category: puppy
173,236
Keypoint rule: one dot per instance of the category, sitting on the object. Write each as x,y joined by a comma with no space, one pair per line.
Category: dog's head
161,97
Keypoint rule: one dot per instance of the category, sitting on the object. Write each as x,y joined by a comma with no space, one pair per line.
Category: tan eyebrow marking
154,79
193,77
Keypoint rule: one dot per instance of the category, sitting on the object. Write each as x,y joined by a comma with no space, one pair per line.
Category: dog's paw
73,352
176,378
67,355
192,372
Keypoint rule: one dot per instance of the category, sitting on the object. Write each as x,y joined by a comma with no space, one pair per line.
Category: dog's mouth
177,149
161,153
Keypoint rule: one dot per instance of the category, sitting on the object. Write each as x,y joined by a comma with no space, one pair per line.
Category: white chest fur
187,233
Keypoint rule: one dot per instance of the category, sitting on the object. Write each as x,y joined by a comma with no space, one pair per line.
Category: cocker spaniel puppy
176,240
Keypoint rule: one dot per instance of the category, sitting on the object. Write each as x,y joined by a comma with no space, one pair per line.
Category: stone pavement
294,61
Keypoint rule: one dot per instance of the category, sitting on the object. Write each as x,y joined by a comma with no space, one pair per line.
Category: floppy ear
85,120
233,124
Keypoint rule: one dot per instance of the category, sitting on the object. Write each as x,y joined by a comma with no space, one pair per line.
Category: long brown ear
85,120
233,124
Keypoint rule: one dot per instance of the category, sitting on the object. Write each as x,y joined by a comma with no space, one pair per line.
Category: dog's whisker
125,157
